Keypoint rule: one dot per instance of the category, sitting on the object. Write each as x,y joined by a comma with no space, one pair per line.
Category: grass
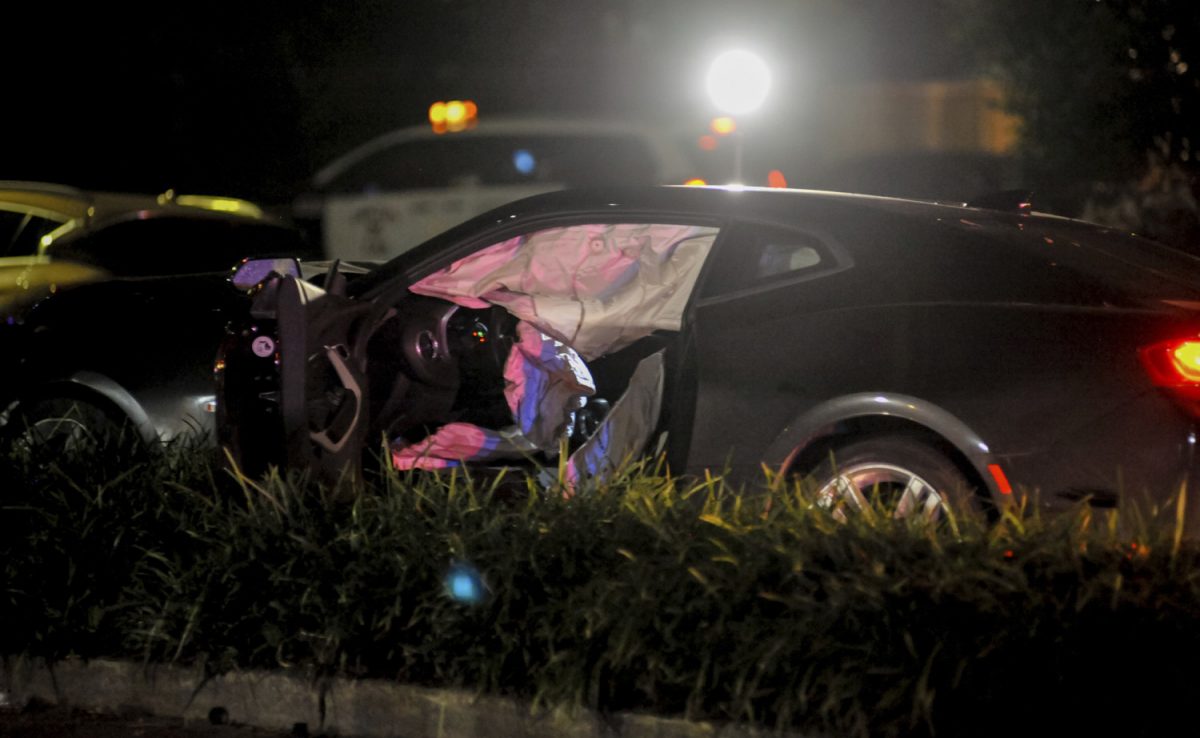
680,596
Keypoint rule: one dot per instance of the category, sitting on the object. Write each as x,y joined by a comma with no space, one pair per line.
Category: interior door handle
322,438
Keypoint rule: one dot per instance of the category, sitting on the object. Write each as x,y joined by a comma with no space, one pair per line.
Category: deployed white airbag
596,288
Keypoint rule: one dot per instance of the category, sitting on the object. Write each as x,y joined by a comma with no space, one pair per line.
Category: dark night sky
251,98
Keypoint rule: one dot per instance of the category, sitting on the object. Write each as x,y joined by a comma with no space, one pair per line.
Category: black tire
63,424
906,474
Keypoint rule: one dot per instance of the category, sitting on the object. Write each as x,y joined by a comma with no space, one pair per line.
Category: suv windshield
497,160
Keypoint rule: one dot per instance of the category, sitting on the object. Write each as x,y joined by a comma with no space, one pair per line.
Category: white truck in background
403,187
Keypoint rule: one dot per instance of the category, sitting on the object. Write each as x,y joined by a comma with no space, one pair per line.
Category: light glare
437,113
1187,360
464,584
523,161
738,82
723,126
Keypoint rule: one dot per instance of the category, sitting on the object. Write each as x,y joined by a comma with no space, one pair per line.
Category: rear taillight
1175,366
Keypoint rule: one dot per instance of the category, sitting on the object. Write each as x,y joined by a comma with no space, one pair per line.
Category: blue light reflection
524,162
464,583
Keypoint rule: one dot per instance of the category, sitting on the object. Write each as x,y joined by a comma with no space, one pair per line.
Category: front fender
99,390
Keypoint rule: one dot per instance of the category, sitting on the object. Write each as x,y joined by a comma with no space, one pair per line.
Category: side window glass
10,229
20,233
782,258
757,256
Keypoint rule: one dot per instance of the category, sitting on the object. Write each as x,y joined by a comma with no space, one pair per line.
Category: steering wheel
426,344
502,335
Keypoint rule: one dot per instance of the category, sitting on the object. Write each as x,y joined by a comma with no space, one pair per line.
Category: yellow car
111,305
53,236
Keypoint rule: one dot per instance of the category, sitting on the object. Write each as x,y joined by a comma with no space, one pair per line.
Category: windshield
500,160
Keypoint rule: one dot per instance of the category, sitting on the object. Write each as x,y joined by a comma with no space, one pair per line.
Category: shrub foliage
651,593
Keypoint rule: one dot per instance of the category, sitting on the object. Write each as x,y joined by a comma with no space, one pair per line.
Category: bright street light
738,82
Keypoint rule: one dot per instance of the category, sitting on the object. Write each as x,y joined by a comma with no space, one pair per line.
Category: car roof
1136,270
720,201
727,201
81,210
768,205
645,201
74,202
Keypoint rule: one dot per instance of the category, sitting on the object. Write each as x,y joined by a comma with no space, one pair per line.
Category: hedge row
653,593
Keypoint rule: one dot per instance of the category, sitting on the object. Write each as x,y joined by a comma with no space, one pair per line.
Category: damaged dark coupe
922,348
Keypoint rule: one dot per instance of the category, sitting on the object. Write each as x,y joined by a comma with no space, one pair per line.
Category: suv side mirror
251,272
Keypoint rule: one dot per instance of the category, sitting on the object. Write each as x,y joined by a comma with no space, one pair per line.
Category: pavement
41,720
117,699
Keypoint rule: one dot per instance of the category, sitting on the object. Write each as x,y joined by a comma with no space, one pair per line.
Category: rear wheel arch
809,439
860,429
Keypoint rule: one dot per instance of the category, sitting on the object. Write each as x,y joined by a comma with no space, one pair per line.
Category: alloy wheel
905,492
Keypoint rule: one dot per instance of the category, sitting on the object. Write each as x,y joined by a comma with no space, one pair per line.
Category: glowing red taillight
1186,360
1172,363
1175,366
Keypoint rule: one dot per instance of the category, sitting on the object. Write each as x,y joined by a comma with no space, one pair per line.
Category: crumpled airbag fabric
596,288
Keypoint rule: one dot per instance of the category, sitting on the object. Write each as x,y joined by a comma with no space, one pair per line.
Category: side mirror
251,272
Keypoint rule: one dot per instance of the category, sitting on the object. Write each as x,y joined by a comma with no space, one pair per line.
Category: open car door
323,376
291,379
501,356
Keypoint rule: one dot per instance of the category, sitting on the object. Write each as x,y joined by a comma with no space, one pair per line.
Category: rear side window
163,246
786,257
759,257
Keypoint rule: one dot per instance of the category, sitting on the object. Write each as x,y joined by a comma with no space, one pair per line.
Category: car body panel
1012,338
154,339
125,307
825,419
